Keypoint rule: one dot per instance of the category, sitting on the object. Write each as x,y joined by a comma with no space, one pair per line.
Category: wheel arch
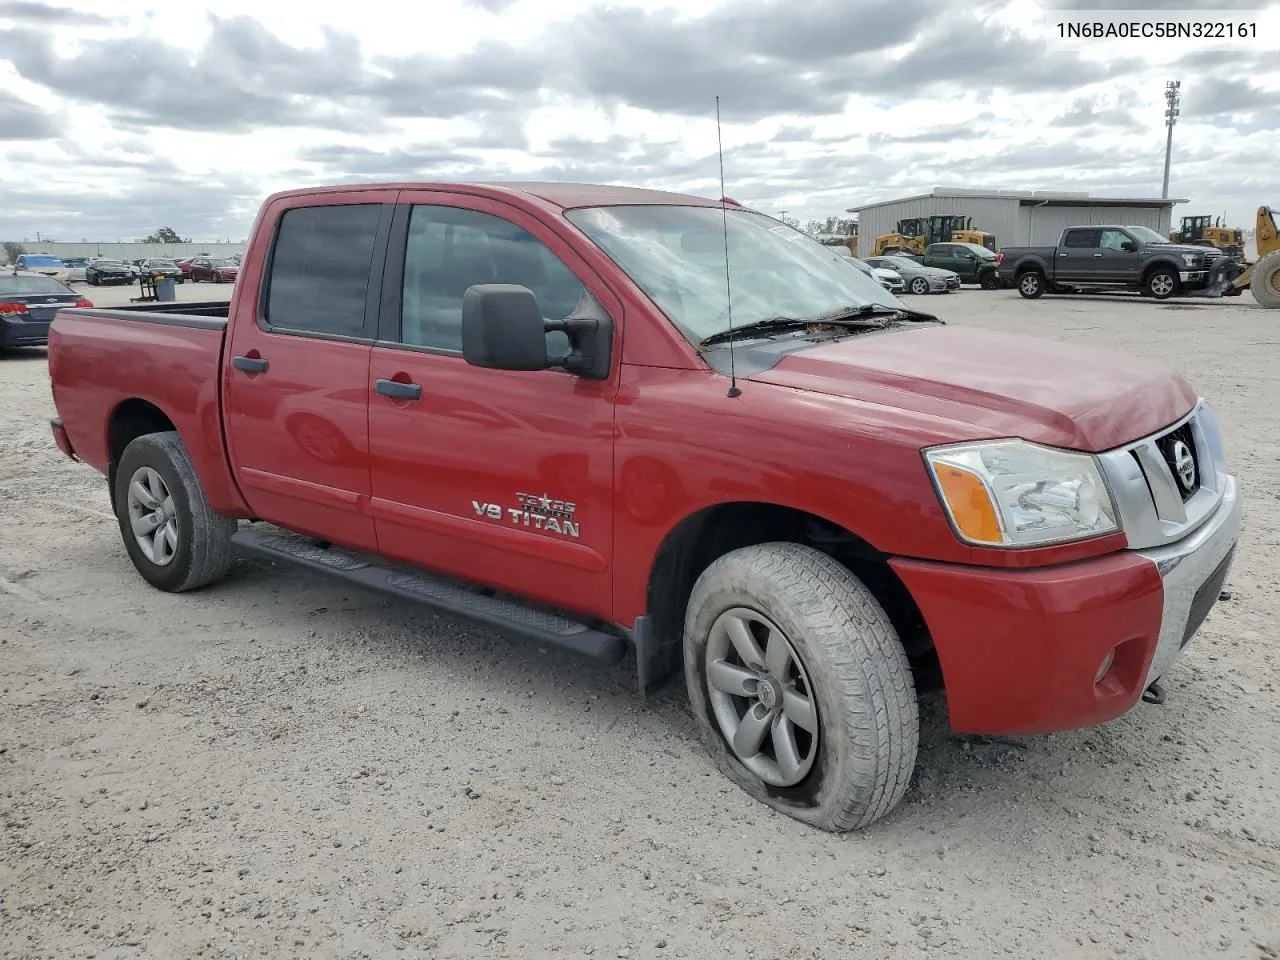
1157,264
707,534
131,418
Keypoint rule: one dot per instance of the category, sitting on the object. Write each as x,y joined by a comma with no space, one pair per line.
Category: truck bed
113,370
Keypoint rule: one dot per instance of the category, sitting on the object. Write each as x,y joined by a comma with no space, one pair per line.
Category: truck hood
992,384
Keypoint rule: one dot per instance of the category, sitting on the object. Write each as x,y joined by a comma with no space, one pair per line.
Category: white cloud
113,123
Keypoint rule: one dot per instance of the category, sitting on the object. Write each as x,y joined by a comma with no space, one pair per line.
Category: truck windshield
1147,235
676,255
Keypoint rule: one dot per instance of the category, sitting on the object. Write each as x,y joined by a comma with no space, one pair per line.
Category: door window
450,249
320,269
1086,239
1113,240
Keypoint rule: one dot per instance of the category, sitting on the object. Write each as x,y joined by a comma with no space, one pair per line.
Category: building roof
1028,198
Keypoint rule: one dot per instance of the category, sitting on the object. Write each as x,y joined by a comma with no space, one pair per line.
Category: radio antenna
728,291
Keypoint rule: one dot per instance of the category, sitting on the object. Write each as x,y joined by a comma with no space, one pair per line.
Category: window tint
320,268
943,253
1082,238
450,250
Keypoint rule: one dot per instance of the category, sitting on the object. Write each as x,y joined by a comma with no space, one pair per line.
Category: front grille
1178,448
1207,596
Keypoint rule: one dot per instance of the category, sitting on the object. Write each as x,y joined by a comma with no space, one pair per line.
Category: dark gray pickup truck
1111,257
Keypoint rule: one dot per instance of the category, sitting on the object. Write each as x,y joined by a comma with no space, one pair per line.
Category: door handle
1097,254
1063,254
250,364
398,390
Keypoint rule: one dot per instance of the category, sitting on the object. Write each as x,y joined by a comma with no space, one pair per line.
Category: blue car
28,302
44,263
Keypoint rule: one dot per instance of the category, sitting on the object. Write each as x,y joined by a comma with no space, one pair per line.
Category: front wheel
1162,283
800,686
920,286
172,535
989,280
1031,285
1265,285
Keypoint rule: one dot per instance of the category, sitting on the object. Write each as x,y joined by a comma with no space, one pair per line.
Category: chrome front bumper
1193,571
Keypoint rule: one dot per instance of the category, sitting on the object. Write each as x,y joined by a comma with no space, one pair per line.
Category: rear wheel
1031,284
1265,285
172,535
1162,283
800,686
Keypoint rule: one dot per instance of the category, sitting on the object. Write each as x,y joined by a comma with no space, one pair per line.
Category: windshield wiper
874,310
768,325
874,315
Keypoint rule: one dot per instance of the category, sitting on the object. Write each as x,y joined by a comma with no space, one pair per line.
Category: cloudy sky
188,113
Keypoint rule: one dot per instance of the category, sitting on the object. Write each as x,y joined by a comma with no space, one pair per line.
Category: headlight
1010,493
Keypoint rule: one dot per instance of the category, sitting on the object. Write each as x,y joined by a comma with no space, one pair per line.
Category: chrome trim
1148,505
1185,566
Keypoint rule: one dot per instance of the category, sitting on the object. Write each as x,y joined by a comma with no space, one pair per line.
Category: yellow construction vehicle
1210,232
1262,277
916,233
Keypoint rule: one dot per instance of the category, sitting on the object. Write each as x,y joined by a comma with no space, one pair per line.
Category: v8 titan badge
538,512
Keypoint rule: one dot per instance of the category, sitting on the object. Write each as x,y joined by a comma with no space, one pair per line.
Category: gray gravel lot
275,767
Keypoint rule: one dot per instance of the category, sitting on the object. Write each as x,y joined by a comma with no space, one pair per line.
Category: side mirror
502,328
1130,246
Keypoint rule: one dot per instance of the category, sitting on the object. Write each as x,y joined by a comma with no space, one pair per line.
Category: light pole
1172,97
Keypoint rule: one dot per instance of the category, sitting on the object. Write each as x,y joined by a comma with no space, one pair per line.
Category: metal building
1018,218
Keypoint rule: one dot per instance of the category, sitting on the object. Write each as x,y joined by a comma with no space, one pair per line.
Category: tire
989,280
1265,285
1161,283
92,279
840,647
202,553
1031,285
919,286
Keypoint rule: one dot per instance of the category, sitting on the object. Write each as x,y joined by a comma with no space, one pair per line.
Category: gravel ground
272,767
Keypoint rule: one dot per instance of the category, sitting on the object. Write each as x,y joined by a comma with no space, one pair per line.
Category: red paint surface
836,431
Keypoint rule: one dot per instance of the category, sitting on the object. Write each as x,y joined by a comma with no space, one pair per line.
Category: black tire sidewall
144,452
810,800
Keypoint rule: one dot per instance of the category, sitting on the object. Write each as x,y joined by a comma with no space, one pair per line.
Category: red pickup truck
622,421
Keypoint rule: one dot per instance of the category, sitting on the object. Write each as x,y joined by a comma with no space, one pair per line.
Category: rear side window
1082,238
33,286
320,269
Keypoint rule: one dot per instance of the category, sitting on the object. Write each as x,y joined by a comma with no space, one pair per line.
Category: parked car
1112,257
218,271
785,510
43,263
102,271
159,266
28,301
73,269
891,280
919,278
972,262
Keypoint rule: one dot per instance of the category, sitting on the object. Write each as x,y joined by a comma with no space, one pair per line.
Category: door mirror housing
1129,245
503,329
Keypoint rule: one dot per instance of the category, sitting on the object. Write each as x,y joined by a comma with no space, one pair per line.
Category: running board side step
436,593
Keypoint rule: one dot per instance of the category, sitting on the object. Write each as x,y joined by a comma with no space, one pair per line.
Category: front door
295,387
1118,264
499,477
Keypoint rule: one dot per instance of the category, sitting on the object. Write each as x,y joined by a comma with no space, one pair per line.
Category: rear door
1078,255
295,382
499,477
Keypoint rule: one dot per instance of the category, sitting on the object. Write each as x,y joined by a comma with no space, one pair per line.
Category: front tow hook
1153,693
